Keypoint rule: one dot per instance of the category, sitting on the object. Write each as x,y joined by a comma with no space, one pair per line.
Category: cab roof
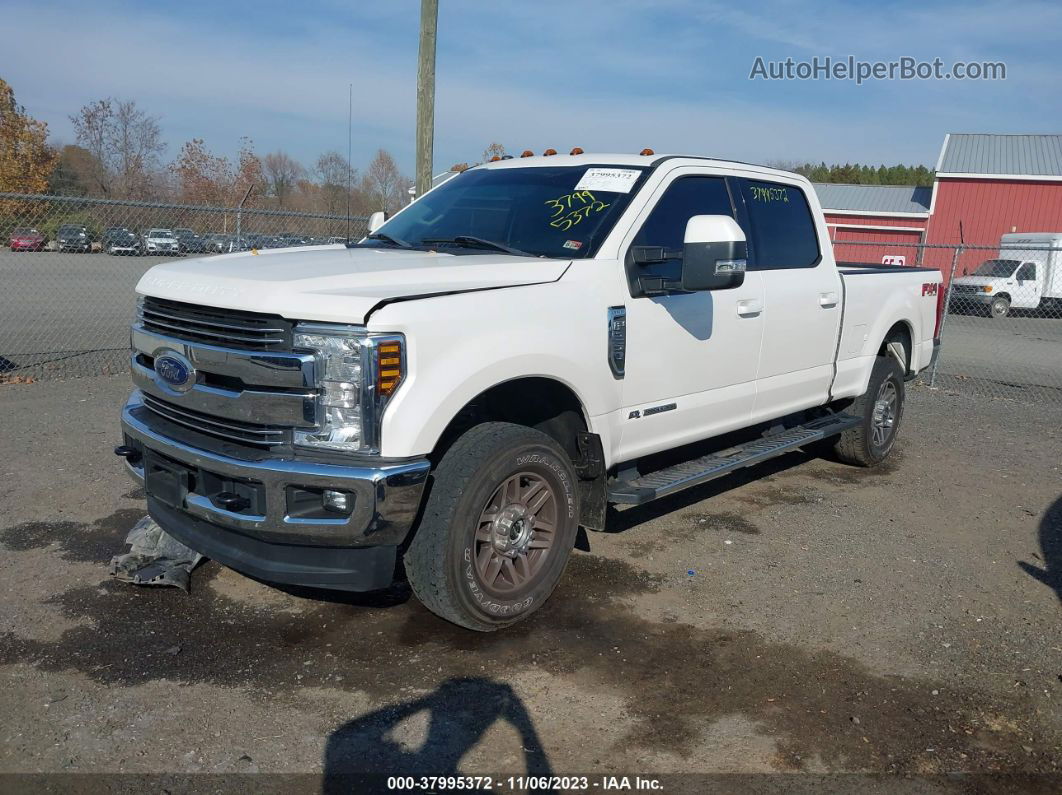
626,159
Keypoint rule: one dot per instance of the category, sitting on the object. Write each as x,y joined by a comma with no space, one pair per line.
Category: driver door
691,358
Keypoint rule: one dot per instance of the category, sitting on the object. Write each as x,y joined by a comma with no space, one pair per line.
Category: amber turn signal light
388,367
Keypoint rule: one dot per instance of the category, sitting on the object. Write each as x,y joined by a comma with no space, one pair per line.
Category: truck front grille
248,433
224,327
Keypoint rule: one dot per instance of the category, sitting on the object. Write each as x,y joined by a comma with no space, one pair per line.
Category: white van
1027,274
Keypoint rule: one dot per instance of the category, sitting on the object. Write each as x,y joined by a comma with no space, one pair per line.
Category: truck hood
979,281
334,284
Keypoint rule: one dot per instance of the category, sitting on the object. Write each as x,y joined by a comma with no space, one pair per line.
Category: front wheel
1000,307
880,410
498,527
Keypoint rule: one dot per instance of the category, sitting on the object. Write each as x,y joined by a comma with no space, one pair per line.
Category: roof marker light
549,152
527,153
647,152
495,158
578,150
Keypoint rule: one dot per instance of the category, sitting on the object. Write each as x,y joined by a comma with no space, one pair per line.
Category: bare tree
383,184
282,172
202,177
333,171
90,128
493,149
125,143
249,172
136,143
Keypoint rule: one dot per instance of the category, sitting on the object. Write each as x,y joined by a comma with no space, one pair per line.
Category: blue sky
607,76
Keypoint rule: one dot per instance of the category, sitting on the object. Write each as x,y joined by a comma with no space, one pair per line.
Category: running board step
701,470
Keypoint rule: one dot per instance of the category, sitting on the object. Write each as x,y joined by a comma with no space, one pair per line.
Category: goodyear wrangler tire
881,410
498,527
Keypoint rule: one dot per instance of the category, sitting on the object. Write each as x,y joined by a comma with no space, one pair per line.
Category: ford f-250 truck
487,371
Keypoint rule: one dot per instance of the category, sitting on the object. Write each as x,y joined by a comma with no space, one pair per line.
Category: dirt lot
807,617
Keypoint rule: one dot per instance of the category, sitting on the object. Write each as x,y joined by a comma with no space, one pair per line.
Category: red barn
986,186
992,185
875,213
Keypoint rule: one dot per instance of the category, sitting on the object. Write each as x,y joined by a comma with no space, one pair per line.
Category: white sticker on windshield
609,180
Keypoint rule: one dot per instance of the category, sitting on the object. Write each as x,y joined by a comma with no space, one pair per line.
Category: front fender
462,345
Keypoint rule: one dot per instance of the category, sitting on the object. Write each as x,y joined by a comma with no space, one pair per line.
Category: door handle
749,307
827,300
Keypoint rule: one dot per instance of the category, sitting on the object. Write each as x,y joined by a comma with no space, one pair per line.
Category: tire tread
425,566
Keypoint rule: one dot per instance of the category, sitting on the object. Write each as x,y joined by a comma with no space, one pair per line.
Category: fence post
239,213
944,315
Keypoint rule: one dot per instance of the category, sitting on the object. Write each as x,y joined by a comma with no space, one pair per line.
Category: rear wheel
498,527
1000,307
880,410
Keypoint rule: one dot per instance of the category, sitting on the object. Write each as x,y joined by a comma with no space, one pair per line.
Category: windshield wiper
397,241
476,242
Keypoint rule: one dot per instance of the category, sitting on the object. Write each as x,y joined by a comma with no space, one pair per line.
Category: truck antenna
350,117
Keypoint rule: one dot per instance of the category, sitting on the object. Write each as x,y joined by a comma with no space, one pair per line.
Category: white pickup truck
505,357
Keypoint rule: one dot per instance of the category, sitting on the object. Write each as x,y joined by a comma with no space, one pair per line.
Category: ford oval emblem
174,372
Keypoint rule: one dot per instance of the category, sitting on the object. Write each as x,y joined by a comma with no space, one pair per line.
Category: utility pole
429,21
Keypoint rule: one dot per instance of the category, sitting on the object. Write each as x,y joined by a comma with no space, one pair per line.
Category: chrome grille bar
245,433
230,328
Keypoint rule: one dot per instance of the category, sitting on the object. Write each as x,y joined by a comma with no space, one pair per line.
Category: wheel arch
541,402
901,331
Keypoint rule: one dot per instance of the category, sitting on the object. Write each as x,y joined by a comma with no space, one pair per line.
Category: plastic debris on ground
154,558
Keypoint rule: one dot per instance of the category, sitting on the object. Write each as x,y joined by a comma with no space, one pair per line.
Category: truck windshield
996,267
545,211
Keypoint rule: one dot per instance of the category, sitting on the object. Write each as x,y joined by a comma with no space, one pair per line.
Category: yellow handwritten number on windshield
571,208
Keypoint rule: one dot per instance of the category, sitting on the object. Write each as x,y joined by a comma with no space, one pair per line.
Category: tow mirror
376,220
713,253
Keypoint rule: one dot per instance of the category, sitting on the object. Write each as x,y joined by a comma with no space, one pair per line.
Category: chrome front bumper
386,497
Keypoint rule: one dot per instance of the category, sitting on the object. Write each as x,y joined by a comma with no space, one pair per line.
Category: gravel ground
805,617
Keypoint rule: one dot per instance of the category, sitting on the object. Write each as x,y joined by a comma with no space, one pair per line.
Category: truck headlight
356,374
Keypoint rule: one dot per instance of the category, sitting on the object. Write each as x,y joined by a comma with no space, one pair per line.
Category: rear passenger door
802,298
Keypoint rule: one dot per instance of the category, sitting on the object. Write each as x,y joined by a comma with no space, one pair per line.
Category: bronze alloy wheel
498,527
515,533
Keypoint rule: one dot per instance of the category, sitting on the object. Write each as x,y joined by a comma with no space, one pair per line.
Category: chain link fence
69,266
1002,326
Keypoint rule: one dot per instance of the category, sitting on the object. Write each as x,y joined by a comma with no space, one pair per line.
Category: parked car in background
26,239
120,240
188,242
1027,274
247,242
161,241
217,243
287,241
73,237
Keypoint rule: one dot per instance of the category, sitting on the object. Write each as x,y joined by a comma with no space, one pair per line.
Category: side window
1027,272
666,224
783,230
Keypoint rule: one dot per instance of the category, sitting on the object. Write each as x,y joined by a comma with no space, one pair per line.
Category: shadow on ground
458,713
1050,550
